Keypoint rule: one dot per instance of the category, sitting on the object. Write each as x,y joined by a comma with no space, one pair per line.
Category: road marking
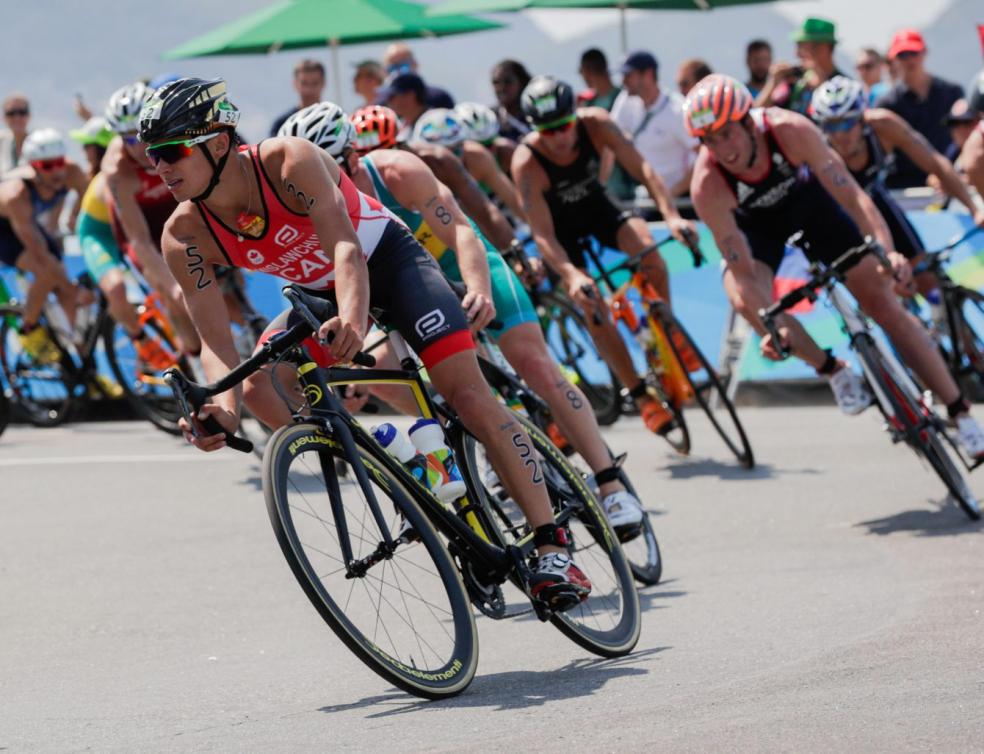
115,459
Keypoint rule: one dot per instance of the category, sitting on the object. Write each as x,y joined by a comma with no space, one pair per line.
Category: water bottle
428,437
398,446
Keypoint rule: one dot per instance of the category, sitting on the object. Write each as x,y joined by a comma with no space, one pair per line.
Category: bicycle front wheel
609,621
709,392
38,383
920,428
405,614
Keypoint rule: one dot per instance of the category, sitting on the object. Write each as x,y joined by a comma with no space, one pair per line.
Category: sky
53,49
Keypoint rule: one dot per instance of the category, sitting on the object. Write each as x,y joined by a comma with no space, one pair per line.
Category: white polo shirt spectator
654,121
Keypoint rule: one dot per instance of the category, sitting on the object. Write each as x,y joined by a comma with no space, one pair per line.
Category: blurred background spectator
405,94
601,91
509,79
921,99
309,83
758,60
399,59
369,76
870,67
690,72
16,116
961,122
653,119
791,86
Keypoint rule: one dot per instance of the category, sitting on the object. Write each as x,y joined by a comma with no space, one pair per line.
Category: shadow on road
945,520
517,689
693,467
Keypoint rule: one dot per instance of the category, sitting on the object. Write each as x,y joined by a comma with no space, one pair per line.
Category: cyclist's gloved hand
200,437
342,338
479,308
583,291
771,350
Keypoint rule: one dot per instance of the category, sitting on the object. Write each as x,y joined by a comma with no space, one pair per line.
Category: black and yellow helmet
187,107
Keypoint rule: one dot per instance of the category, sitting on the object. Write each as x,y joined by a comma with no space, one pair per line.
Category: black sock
829,366
959,406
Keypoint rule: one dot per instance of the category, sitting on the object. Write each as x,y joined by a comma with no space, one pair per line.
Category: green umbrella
293,24
500,6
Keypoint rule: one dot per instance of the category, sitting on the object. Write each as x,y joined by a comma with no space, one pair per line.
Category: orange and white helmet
376,127
715,101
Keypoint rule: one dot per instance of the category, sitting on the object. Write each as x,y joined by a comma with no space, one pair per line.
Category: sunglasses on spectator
46,166
907,54
399,68
839,125
507,81
174,151
23,112
557,127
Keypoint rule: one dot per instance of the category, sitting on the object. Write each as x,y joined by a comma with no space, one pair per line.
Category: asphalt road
829,600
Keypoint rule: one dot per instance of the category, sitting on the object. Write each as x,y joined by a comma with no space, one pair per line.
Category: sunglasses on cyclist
557,127
839,125
175,151
131,139
46,166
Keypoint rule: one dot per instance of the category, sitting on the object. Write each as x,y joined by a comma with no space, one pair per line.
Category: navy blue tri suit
787,200
11,246
872,179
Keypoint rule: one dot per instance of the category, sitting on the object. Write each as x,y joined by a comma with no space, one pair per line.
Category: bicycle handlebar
820,275
191,396
934,260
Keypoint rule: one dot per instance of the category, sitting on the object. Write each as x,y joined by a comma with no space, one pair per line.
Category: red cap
907,40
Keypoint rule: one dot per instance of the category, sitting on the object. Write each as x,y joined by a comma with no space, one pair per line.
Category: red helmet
375,128
715,101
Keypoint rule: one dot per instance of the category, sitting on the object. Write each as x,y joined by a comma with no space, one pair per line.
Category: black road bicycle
908,417
396,580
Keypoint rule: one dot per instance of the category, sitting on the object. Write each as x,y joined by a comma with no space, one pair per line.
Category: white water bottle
420,467
428,437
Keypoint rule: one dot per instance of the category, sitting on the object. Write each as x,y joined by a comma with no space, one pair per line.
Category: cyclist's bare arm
895,133
78,181
309,180
483,167
803,143
607,133
972,159
124,184
415,187
191,256
20,212
452,173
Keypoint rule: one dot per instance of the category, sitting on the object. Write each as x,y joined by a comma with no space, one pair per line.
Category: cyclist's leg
877,298
105,266
49,276
632,237
905,238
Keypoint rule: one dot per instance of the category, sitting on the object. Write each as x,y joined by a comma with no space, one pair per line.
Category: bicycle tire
155,405
569,340
968,364
4,409
591,532
448,679
42,391
678,435
736,438
920,431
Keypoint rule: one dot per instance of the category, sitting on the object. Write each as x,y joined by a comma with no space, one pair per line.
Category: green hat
815,30
95,131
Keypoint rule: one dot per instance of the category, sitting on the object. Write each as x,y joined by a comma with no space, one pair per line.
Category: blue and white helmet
324,124
480,120
838,98
441,127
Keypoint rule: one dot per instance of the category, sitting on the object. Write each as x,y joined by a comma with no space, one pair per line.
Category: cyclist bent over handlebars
285,208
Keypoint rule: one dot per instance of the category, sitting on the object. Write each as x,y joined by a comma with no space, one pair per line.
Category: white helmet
837,99
324,124
43,144
123,109
480,120
439,126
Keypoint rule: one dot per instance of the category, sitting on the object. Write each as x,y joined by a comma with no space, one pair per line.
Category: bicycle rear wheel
570,342
608,622
143,386
921,429
39,386
709,392
407,616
